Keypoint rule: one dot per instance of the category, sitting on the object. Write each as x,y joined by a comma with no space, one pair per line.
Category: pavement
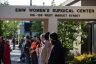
15,56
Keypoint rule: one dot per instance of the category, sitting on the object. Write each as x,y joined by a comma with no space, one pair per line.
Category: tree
1,25
67,32
37,27
1,21
84,32
53,3
9,28
4,4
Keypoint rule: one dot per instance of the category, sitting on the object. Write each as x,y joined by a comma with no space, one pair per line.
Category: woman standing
7,53
46,49
57,53
33,53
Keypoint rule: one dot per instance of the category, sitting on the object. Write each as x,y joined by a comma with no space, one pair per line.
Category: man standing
26,50
14,42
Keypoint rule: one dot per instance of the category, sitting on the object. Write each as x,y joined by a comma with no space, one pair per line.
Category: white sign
45,12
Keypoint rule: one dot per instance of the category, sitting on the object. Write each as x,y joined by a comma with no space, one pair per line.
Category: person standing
39,50
40,47
33,53
21,47
46,49
7,53
14,42
1,49
57,52
27,50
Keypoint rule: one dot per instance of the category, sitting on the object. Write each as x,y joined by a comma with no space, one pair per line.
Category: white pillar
45,26
52,24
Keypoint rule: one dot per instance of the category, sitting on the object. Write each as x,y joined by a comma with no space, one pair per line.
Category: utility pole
43,3
31,21
30,2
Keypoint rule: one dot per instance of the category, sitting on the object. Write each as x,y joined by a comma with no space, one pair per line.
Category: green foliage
37,27
1,25
1,21
67,31
8,28
84,32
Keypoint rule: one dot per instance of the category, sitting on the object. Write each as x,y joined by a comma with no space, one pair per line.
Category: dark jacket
57,54
27,47
2,48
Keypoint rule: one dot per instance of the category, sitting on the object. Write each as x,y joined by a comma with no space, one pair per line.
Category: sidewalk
15,56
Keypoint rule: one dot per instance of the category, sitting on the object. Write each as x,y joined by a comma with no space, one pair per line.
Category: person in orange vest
33,53
7,53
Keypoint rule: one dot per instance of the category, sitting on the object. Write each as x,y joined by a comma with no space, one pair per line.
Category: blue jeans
13,46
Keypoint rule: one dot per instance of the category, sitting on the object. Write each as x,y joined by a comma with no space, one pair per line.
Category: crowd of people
45,49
